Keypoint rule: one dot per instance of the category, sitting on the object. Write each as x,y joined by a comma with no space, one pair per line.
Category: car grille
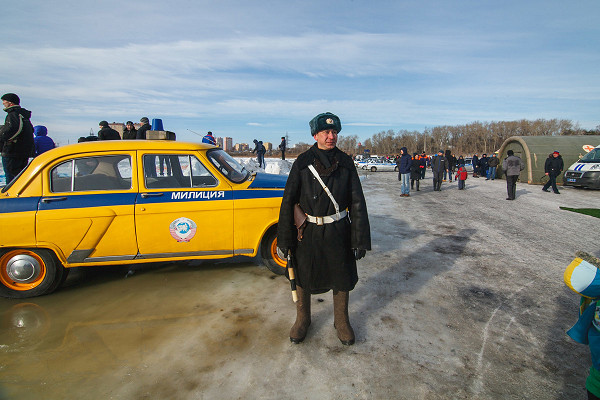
573,174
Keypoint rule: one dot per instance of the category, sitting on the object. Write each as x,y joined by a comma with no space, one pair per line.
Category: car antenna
195,133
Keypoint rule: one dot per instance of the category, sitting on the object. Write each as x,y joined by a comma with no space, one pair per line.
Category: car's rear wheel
271,255
396,168
373,169
29,273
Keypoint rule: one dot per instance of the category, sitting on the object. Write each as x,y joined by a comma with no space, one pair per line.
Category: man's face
327,139
554,155
6,104
129,126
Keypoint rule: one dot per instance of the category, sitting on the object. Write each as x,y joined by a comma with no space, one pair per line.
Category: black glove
359,253
285,251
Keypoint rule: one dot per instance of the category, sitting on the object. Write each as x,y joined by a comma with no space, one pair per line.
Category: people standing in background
107,133
209,138
553,167
483,165
130,133
16,137
512,167
439,164
460,162
461,176
424,160
282,146
493,163
415,171
42,141
404,164
451,163
141,133
260,150
475,163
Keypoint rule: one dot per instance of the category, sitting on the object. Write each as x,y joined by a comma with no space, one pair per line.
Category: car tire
29,273
271,255
396,168
373,169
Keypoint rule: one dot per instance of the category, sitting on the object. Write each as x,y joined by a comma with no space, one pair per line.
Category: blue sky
261,69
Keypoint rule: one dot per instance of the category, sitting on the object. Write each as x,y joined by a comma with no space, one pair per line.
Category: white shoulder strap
316,174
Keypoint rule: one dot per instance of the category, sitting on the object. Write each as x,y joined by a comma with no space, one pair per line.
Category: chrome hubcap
23,268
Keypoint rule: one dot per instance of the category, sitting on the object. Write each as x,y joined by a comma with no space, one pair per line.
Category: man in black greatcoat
337,231
553,167
107,133
16,137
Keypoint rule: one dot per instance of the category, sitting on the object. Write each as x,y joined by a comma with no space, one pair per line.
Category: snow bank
274,165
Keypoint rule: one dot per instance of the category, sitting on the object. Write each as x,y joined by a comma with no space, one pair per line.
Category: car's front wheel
29,273
373,169
271,255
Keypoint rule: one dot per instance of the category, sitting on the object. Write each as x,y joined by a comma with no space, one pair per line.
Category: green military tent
534,151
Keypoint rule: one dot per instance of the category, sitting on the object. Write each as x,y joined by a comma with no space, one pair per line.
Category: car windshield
230,168
592,157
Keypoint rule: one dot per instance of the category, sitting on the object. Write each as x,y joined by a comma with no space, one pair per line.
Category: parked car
379,165
585,172
115,202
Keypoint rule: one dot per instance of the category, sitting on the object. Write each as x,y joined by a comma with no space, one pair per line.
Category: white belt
328,219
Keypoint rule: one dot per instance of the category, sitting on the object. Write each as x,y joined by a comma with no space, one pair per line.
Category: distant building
241,147
227,144
268,146
219,141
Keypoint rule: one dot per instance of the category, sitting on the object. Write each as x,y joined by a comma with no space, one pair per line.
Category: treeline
476,137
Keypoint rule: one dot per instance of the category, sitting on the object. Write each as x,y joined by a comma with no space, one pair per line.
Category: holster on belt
299,220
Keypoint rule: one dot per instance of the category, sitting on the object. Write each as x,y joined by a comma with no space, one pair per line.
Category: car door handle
146,195
51,199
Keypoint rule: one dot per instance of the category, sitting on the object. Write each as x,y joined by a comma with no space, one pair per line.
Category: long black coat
325,259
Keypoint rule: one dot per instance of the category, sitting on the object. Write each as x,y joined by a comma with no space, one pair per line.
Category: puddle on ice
109,324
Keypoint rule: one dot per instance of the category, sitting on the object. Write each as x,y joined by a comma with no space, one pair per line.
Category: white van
585,172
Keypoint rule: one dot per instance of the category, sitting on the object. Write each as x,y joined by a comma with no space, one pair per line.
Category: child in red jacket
461,177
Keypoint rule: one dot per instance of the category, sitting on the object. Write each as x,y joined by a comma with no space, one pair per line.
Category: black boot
341,322
298,331
417,185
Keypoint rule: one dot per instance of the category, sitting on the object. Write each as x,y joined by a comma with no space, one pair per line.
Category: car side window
172,171
92,173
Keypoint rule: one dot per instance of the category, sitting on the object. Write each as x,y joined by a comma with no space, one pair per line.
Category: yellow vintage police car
115,202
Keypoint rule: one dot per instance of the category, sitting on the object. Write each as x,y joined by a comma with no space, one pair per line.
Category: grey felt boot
298,331
341,322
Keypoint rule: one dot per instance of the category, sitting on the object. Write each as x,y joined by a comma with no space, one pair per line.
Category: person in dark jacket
460,162
483,165
512,167
451,164
42,141
141,133
439,164
475,163
404,163
16,137
553,167
336,234
130,133
260,151
493,163
415,171
424,161
107,133
282,146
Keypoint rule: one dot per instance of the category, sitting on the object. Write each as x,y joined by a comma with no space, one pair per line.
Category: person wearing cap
439,165
16,137
337,231
424,160
282,147
209,138
512,167
141,133
130,133
107,133
42,141
553,167
493,163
